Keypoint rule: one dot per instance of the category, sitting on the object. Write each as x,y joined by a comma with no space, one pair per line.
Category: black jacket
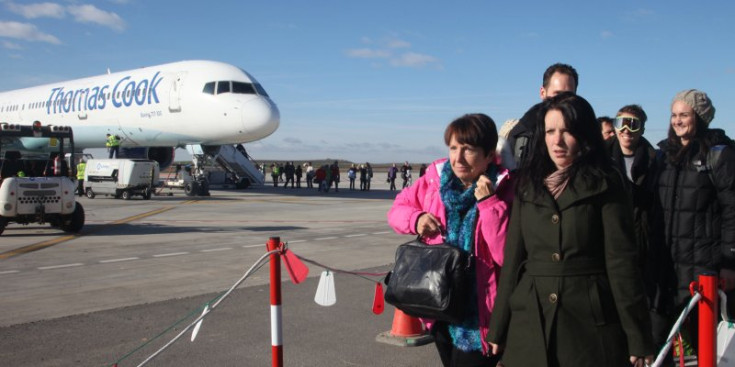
521,135
697,212
642,190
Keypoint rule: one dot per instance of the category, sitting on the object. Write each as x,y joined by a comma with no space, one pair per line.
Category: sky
379,80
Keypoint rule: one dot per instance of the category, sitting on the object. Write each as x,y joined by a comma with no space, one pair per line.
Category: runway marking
118,260
252,246
171,254
143,215
218,249
36,246
60,266
109,261
44,244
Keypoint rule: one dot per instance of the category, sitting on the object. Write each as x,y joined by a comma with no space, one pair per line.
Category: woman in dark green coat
570,293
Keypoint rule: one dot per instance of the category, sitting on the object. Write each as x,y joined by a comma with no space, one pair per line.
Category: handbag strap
474,230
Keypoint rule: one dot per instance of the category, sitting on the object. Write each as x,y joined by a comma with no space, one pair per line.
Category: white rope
204,314
674,330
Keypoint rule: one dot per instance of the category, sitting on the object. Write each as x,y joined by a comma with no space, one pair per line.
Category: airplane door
175,92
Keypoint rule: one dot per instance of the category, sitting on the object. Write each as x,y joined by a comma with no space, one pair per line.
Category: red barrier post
707,305
274,243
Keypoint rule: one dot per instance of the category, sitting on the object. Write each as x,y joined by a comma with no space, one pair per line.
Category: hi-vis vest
81,167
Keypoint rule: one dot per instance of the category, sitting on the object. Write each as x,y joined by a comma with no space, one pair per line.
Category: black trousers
453,357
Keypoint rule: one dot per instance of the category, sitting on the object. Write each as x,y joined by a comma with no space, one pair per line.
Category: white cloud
91,14
385,51
26,32
368,53
39,10
606,34
413,59
11,46
396,43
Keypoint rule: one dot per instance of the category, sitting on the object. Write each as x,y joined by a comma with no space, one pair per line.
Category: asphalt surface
140,268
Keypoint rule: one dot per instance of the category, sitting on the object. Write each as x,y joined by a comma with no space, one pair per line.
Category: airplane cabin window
242,88
208,88
223,87
260,90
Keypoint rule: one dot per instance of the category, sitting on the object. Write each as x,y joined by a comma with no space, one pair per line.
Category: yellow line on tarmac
58,240
36,247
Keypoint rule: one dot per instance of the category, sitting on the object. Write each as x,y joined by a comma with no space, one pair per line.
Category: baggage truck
36,184
121,178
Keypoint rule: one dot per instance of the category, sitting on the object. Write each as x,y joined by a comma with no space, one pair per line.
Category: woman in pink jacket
460,201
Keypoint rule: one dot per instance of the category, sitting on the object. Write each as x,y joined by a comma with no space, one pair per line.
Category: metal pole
708,320
276,328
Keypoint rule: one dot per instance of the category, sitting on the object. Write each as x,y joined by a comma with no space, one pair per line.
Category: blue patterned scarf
461,210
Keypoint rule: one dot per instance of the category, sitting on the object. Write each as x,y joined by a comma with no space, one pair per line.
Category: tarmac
144,267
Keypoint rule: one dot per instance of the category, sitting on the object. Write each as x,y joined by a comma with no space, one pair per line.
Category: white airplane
152,109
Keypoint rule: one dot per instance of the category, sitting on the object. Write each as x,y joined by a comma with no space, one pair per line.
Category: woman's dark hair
580,121
475,129
675,151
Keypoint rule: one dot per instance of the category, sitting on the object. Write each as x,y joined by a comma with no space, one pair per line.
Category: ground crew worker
113,145
81,167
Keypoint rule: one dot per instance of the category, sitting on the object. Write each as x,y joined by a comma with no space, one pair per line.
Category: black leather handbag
431,281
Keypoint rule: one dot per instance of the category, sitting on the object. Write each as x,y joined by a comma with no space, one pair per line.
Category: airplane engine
163,155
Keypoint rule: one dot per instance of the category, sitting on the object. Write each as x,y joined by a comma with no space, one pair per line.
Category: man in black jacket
557,78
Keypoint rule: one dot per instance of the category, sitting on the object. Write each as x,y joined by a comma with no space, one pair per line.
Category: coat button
553,298
555,257
555,218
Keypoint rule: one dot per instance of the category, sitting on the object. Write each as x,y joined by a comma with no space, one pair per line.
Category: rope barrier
214,302
360,274
675,330
204,314
209,306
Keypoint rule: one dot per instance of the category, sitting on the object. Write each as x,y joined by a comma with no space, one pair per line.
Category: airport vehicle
121,178
38,187
200,104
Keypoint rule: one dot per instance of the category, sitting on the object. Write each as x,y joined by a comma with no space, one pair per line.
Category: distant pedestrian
352,175
113,145
369,175
274,174
335,175
81,167
406,174
320,178
363,177
422,170
289,171
298,174
392,174
309,175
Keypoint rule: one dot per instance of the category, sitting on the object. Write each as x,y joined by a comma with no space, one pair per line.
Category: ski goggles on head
631,123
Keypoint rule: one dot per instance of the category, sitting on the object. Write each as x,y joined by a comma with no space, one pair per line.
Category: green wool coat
571,292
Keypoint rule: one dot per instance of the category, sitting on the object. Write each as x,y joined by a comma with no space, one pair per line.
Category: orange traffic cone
406,331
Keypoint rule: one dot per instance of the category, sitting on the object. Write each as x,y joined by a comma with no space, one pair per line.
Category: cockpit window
242,88
223,87
260,90
208,88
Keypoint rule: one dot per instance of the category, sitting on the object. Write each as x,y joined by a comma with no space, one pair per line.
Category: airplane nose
260,118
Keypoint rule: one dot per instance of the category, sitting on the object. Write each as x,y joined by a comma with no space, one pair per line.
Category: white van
121,178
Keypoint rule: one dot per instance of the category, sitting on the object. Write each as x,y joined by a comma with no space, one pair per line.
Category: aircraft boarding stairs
235,160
